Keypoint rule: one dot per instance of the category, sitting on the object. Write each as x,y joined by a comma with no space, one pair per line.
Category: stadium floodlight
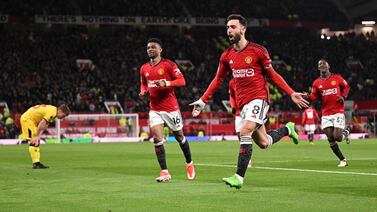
368,22
322,36
328,37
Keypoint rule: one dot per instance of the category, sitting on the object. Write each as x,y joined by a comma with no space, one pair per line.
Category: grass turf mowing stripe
290,169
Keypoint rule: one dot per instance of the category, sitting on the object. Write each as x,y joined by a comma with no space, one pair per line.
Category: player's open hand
298,99
35,141
198,107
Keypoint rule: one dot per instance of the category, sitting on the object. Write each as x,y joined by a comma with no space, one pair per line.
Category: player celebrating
158,78
249,64
309,118
333,90
34,122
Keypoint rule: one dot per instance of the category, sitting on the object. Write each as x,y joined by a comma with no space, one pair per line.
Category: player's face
235,30
61,115
153,50
323,67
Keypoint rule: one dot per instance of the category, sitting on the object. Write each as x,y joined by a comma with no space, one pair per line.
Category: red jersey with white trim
330,89
232,96
249,67
163,98
309,116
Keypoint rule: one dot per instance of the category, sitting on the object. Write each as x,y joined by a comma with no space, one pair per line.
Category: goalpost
97,128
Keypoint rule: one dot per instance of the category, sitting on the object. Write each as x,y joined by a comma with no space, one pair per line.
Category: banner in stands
134,20
3,18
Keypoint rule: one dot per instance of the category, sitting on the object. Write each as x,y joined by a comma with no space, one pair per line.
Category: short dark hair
154,40
65,109
240,18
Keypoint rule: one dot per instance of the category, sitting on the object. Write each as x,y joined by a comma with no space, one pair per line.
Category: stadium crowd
41,67
284,9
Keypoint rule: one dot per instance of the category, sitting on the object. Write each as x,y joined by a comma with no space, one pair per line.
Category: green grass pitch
120,177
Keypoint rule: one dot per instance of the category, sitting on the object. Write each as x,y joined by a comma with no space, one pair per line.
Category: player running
333,90
249,63
159,76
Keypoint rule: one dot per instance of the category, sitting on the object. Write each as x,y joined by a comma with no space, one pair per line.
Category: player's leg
244,155
311,133
329,131
340,134
253,115
29,131
238,124
157,125
174,121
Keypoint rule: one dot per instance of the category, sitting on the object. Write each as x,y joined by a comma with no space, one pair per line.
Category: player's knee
179,138
338,138
158,141
263,145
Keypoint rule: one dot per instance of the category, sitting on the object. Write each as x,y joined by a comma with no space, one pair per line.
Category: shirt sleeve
279,81
232,98
314,93
265,58
177,77
345,87
50,114
143,81
222,72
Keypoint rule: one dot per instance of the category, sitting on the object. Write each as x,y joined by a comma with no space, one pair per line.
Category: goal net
96,128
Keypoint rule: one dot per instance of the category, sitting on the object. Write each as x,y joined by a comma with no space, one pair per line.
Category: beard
235,38
152,56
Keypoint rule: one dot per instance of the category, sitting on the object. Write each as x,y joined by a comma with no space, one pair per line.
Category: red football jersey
330,89
249,68
163,98
309,116
232,96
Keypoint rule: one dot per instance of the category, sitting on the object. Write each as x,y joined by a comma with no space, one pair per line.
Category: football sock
336,150
34,154
185,147
277,134
244,156
160,153
310,136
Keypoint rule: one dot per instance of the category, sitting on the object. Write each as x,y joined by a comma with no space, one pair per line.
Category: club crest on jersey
333,83
248,59
160,71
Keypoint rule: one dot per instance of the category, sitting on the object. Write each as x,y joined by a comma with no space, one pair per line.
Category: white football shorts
172,119
337,120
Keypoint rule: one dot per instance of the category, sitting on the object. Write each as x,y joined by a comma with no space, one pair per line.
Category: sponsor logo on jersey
160,71
247,72
329,91
152,83
333,83
248,59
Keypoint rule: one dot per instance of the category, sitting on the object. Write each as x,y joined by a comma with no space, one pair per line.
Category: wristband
167,83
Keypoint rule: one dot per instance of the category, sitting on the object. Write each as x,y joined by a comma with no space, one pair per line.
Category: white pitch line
291,169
